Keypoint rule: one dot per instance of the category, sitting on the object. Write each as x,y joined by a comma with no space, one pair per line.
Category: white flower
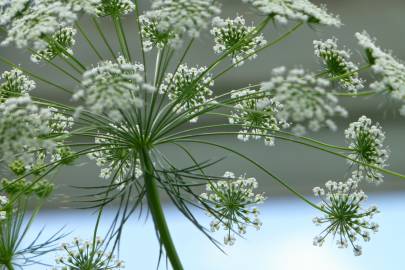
88,6
41,19
231,202
22,124
15,84
366,139
344,218
301,10
390,70
230,32
115,8
63,38
256,113
92,255
112,87
10,9
305,100
337,64
183,88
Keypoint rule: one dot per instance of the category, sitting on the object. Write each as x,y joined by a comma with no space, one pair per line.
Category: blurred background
286,239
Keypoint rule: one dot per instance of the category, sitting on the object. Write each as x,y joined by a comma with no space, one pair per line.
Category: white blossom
367,141
40,20
88,6
9,9
112,87
22,124
256,113
307,104
301,10
338,65
344,217
174,18
114,8
183,88
15,84
234,36
390,70
232,204
61,41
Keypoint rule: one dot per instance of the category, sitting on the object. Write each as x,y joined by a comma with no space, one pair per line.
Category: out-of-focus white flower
15,84
344,217
337,64
10,9
366,139
306,102
297,10
234,35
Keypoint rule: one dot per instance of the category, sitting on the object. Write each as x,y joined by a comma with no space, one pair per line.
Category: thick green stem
9,265
156,210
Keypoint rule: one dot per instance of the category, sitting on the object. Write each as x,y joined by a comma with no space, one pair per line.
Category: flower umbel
15,84
257,115
344,216
231,203
366,139
337,64
306,102
234,36
115,8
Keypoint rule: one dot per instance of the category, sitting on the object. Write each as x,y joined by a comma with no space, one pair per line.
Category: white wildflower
88,6
112,87
115,8
366,139
183,88
37,23
338,65
15,84
234,35
60,42
22,124
345,218
10,9
390,70
297,10
306,102
256,113
231,202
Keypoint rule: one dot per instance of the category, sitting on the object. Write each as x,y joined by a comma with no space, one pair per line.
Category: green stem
156,210
9,265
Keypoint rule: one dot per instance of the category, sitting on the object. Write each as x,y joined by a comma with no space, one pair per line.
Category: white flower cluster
366,139
22,124
235,36
345,219
9,9
3,203
115,8
169,20
338,65
306,102
231,203
42,18
60,123
112,87
186,91
63,38
15,84
301,10
391,70
88,6
257,115
116,160
87,255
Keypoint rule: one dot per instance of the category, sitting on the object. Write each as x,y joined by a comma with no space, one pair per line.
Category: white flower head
22,124
15,84
256,113
337,63
112,88
234,35
390,70
367,141
188,89
38,22
297,10
306,102
232,204
10,9
88,6
344,217
60,42
114,8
